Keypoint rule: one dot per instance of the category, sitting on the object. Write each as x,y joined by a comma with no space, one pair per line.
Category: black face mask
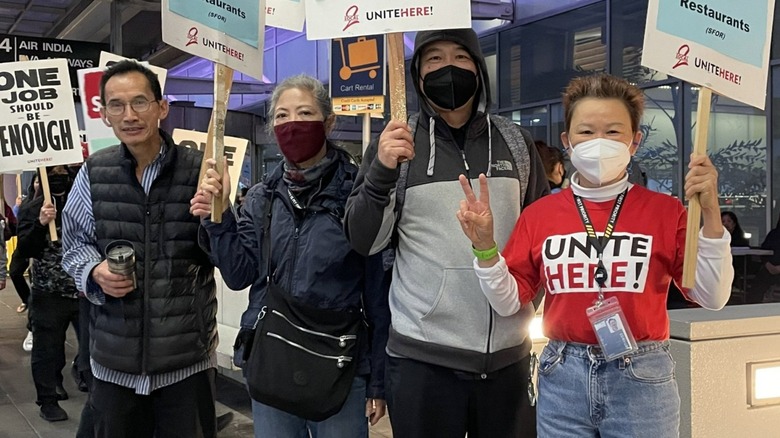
450,87
59,183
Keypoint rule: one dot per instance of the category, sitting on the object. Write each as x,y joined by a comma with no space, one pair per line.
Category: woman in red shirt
605,251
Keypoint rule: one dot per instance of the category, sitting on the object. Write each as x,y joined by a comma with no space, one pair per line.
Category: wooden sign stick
209,151
44,180
694,206
397,72
223,79
19,192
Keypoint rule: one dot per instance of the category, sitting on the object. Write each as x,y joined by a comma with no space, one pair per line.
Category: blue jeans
582,395
349,422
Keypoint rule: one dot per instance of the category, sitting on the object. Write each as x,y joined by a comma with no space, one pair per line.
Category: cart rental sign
720,44
357,74
342,18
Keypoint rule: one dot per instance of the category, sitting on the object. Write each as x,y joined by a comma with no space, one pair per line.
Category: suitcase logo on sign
363,56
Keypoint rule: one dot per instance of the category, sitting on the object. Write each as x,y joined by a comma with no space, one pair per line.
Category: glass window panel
737,147
269,66
775,144
297,54
658,153
540,58
532,119
488,45
528,9
628,30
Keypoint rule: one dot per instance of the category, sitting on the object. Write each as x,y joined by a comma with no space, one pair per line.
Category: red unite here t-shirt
549,247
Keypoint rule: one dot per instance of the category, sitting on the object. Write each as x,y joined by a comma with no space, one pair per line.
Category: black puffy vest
168,322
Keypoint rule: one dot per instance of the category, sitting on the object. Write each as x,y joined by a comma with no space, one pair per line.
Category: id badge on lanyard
606,316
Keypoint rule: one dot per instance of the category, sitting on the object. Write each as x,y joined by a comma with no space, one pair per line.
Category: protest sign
343,18
285,14
107,59
39,126
357,75
80,54
99,135
235,150
227,32
719,44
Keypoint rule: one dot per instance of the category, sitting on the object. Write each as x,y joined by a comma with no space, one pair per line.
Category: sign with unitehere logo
357,74
344,18
285,14
227,32
720,44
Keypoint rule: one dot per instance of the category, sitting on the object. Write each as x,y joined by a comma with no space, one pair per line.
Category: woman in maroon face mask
299,208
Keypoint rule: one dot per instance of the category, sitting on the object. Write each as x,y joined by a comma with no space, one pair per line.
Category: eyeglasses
139,106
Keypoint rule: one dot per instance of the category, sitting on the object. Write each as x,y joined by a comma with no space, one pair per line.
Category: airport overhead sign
79,54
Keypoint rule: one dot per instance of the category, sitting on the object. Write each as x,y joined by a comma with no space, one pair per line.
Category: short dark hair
128,66
603,86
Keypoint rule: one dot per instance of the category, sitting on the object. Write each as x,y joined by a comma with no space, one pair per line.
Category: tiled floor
19,414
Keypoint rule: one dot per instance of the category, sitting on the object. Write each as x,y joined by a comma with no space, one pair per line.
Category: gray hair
300,82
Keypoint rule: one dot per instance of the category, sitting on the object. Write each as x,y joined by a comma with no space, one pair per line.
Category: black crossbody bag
303,358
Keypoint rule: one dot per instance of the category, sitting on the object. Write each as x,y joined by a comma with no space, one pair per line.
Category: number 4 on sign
6,45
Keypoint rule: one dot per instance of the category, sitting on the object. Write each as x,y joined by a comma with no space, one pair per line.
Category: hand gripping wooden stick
694,206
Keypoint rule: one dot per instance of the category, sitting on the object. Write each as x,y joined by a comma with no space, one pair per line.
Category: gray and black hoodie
439,313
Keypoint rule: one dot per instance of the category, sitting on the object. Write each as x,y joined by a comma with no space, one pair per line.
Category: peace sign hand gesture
475,216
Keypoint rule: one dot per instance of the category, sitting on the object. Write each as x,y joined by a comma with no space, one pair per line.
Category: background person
554,166
731,224
581,393
310,255
54,298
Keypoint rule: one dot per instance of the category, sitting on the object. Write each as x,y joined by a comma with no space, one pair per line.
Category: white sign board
99,135
108,58
235,150
285,14
720,44
39,126
230,34
327,19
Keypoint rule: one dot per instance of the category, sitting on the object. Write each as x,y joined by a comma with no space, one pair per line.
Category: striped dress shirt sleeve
81,255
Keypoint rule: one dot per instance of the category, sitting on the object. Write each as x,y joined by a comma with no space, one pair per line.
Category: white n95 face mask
600,160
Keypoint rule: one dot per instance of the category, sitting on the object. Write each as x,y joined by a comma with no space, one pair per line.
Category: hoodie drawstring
490,146
432,137
432,140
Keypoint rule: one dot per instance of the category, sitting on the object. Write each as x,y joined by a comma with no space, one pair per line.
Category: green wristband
486,254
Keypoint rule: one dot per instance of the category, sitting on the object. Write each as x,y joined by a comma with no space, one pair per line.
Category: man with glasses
154,336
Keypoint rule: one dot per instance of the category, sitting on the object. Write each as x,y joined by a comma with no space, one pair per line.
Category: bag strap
267,213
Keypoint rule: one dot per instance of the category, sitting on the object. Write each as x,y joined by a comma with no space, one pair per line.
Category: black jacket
168,322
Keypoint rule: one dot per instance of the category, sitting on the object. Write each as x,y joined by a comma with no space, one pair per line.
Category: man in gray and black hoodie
456,366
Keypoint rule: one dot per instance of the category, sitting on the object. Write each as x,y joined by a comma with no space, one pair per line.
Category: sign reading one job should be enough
38,119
